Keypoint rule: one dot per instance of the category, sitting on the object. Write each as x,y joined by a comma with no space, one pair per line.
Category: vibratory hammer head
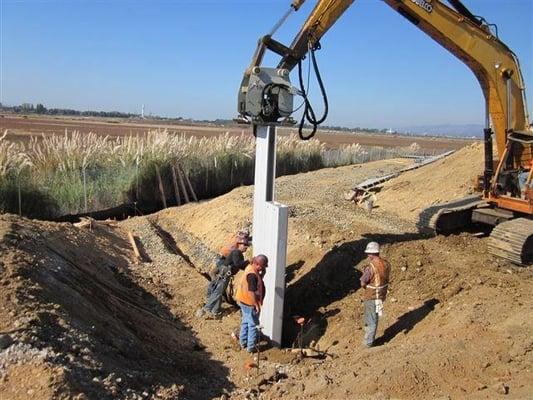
266,95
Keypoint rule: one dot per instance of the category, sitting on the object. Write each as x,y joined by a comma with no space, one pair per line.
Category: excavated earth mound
75,324
448,179
85,321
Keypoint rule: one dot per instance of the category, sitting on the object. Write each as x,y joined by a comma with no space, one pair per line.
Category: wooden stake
134,245
182,184
161,189
175,184
189,184
84,222
19,196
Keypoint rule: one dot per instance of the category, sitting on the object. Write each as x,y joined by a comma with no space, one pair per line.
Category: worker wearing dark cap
250,295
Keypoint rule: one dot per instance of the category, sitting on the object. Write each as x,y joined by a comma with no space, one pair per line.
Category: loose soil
22,128
448,179
87,322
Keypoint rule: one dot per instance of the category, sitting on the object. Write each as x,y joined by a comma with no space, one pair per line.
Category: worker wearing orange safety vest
229,255
250,294
375,282
226,250
230,261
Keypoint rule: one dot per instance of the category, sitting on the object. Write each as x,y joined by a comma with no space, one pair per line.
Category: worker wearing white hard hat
372,248
375,281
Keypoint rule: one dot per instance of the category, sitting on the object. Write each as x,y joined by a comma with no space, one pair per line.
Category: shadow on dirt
313,328
407,321
145,257
290,271
114,337
172,246
332,279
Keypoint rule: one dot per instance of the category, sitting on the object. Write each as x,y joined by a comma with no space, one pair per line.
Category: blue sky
186,58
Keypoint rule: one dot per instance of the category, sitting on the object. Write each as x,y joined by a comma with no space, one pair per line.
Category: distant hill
466,130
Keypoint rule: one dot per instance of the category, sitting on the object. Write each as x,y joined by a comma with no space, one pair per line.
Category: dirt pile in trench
456,326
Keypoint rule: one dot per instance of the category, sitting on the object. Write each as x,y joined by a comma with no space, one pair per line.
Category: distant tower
142,111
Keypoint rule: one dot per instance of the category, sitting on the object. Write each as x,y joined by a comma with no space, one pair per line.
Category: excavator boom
460,32
508,178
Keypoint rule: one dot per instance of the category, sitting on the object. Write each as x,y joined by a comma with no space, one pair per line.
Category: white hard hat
372,248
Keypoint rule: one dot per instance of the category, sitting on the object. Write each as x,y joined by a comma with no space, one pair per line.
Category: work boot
200,312
210,315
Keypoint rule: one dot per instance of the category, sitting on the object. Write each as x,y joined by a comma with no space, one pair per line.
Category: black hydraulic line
476,19
309,114
488,173
308,109
266,106
322,88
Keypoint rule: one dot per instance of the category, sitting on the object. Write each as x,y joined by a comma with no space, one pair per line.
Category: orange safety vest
377,288
244,295
226,250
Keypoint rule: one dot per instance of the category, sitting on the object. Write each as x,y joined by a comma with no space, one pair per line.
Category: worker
375,281
226,250
250,295
227,266
523,176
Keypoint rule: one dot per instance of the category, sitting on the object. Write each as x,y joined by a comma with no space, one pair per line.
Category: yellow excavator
266,97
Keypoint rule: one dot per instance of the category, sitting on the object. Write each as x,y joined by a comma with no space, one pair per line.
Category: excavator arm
266,94
321,19
492,62
460,32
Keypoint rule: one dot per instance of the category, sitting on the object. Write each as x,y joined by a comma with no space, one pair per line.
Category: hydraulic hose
309,114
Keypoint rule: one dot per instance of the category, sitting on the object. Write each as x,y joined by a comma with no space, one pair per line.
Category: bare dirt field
85,322
22,128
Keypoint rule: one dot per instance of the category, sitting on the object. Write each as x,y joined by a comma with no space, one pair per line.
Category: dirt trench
68,297
456,322
87,322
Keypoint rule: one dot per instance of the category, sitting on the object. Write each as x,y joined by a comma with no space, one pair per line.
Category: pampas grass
75,172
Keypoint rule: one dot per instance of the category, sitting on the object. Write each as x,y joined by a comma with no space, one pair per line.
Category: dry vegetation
23,128
54,175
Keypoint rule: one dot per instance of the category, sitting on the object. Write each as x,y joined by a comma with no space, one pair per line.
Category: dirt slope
457,323
449,283
86,328
448,179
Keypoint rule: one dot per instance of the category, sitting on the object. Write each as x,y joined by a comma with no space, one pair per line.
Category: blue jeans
371,322
215,291
249,323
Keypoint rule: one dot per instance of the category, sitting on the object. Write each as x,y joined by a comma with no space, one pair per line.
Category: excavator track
513,240
448,217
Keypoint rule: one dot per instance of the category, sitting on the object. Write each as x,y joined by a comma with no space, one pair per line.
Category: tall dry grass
73,173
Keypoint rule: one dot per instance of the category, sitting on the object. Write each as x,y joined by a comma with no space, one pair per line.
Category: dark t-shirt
252,282
236,260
